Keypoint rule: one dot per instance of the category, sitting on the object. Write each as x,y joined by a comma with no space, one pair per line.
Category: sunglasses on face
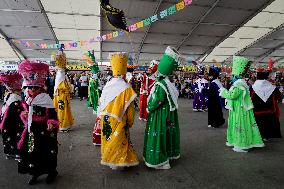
33,87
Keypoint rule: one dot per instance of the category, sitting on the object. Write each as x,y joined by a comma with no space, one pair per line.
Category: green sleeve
156,99
231,94
89,92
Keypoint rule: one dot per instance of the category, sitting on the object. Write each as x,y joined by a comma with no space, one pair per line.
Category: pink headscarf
34,73
13,80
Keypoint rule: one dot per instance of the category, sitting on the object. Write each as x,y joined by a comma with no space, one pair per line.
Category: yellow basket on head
60,60
118,63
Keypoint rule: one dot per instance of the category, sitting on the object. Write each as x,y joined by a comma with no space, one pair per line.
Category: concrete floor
205,161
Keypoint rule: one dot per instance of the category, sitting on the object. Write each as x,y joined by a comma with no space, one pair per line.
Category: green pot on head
240,65
169,61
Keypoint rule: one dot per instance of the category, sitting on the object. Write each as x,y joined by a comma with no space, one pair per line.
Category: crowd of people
37,106
183,83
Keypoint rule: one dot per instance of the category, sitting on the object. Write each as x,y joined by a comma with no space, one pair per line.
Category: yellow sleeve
130,113
68,86
55,103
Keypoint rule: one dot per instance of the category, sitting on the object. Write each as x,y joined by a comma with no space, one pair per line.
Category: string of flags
143,23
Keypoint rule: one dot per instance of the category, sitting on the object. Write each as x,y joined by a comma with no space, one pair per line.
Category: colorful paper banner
146,22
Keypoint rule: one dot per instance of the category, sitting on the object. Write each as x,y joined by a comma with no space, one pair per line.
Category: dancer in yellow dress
117,117
62,91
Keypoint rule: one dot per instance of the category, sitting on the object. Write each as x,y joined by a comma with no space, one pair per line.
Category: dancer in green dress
94,92
93,88
162,135
242,132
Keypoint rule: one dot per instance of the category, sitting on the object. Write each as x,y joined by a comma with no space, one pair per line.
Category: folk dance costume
147,84
131,80
11,124
62,90
242,131
265,97
97,132
93,89
38,144
116,112
94,95
93,102
199,88
215,113
162,135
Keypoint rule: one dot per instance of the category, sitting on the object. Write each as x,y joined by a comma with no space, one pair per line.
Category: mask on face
33,92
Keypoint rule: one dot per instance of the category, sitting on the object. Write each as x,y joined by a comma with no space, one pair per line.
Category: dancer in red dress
265,97
97,132
147,84
10,120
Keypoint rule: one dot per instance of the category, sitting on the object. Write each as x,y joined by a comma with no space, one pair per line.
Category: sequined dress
117,118
39,149
215,114
267,114
144,93
93,95
11,126
242,131
200,99
62,104
162,134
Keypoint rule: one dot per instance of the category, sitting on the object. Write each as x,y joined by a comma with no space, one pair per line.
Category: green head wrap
239,65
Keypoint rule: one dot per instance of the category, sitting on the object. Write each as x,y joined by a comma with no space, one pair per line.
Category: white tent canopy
254,36
205,30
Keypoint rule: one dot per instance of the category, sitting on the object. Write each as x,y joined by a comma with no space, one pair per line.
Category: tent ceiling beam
166,44
80,14
195,4
230,33
179,44
13,46
173,21
162,33
19,10
72,14
278,60
32,39
47,20
23,26
146,33
262,38
264,55
45,27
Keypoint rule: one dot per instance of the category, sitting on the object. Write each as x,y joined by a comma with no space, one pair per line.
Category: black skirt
40,149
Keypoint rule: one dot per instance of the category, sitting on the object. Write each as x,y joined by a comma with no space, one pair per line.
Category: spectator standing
2,91
83,89
49,83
